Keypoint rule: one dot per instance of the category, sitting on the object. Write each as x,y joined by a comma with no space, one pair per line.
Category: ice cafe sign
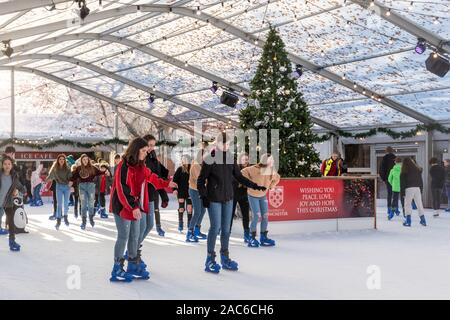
36,155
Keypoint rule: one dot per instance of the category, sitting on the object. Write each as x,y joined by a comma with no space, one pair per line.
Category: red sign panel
308,199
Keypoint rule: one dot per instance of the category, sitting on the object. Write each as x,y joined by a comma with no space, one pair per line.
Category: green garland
85,145
389,132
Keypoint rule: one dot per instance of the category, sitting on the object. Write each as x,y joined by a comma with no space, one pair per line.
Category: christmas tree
275,103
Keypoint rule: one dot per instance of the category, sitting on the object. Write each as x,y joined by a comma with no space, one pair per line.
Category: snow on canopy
348,40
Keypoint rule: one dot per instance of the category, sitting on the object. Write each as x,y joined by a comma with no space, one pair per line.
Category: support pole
116,126
428,156
13,107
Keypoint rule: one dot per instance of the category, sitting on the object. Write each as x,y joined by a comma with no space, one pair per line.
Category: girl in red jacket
129,203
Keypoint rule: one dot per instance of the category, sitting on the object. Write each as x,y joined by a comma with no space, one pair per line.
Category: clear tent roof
123,54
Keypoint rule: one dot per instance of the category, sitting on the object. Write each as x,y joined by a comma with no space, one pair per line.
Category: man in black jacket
157,167
387,164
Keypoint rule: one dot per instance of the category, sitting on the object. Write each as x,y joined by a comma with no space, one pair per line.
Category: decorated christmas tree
275,103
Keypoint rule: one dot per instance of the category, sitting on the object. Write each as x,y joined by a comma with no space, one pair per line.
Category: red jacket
129,186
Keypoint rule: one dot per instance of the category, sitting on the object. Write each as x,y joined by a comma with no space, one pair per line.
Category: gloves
205,202
164,204
260,188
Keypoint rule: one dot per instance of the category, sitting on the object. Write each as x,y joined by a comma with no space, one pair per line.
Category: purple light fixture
421,46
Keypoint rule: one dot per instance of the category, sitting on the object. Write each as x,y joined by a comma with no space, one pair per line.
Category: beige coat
262,177
193,175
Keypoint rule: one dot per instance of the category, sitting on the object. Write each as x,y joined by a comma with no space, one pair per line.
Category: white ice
413,262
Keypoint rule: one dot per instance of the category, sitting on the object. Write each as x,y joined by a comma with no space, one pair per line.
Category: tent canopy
360,66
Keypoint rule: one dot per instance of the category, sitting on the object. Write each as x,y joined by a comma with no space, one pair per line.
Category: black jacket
239,190
182,180
152,162
386,166
220,174
411,180
16,185
438,175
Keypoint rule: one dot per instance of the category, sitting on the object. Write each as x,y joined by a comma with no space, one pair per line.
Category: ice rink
413,263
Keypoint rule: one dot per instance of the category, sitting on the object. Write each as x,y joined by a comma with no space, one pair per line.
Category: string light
388,12
100,5
391,41
198,12
410,7
372,3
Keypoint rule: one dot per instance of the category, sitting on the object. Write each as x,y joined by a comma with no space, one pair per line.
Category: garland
85,145
389,132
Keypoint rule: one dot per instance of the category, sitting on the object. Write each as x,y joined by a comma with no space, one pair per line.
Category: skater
84,175
194,233
155,166
447,182
218,169
386,166
181,178
70,162
116,162
60,173
76,194
241,198
103,186
10,186
36,185
411,185
263,174
130,203
437,173
332,167
394,181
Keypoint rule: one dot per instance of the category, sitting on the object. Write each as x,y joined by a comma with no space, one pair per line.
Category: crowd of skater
213,181
404,183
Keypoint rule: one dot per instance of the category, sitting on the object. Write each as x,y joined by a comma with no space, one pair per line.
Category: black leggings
10,222
436,195
183,206
157,215
55,202
243,204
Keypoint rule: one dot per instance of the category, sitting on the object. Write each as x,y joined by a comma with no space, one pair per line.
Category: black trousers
245,207
436,196
102,200
55,202
10,222
157,215
389,193
395,198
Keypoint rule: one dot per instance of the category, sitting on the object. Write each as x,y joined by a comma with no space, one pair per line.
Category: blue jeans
127,237
2,211
62,192
260,209
199,211
448,196
147,222
37,193
87,198
220,219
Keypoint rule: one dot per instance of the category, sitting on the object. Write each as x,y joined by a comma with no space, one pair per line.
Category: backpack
20,216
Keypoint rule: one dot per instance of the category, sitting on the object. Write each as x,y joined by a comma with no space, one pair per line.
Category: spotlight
214,87
84,10
151,99
8,50
421,46
298,72
229,99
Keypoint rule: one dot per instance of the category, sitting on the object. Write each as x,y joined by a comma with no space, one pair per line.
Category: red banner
308,199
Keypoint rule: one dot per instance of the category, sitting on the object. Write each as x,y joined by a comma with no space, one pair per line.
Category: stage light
8,51
298,72
214,87
84,10
151,99
421,46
